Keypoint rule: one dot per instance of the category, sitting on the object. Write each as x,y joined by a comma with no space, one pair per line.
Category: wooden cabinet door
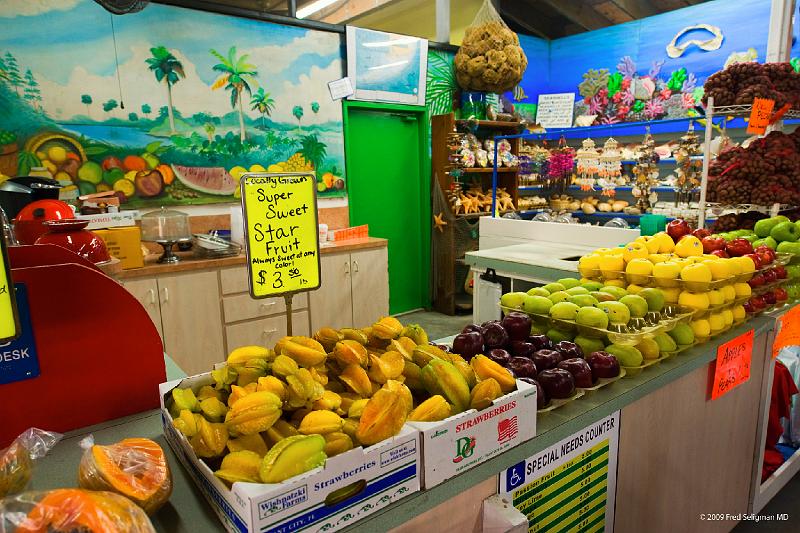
332,303
370,285
192,320
265,332
146,291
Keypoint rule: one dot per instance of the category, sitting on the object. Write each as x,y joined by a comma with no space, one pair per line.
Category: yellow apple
589,265
695,300
658,258
634,289
611,266
716,322
665,242
739,313
689,246
727,316
666,273
728,293
634,250
701,328
715,297
639,270
671,294
720,269
742,290
615,283
696,272
649,242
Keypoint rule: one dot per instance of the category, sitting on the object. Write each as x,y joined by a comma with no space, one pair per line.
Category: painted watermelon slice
210,180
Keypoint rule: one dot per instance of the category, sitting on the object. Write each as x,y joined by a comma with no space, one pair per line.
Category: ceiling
543,18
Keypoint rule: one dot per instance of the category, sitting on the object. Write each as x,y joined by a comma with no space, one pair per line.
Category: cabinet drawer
242,307
265,332
233,280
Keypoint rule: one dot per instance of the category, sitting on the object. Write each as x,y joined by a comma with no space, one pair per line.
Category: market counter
537,261
188,263
672,440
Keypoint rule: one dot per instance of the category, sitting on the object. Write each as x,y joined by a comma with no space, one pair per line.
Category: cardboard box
462,441
388,472
110,220
125,244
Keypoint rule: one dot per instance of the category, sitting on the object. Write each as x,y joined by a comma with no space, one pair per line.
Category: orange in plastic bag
135,468
16,461
68,510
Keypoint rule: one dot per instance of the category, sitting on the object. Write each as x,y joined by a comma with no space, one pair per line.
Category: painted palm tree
210,128
315,107
168,69
237,75
312,149
86,99
298,114
263,103
146,110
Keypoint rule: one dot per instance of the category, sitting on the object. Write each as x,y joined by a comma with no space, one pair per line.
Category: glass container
166,227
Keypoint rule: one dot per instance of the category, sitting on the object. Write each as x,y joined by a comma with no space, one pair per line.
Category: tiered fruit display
272,414
741,83
556,367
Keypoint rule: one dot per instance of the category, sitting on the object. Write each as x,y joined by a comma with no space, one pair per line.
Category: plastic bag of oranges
16,461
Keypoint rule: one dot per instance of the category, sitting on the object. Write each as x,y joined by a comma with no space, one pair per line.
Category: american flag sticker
507,429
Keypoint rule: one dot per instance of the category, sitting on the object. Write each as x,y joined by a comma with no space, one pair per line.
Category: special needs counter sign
281,232
571,485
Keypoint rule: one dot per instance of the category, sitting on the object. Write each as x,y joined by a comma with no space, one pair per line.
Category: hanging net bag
490,58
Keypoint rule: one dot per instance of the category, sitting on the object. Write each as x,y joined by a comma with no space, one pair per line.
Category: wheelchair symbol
515,476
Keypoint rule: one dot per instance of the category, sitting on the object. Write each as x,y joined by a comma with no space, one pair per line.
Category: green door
389,189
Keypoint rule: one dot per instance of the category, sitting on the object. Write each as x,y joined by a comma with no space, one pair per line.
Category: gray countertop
538,260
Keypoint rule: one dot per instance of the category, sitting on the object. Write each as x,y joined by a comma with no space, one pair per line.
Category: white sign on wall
569,486
555,110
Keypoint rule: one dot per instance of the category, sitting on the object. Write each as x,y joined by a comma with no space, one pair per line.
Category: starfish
439,222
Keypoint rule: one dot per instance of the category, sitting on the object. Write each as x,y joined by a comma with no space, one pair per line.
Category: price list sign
281,233
733,364
569,486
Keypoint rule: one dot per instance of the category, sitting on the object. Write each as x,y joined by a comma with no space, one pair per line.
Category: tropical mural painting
168,106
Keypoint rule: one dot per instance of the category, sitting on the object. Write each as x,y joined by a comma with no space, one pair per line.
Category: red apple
770,276
780,271
749,308
112,162
756,260
701,233
757,281
678,228
720,253
765,251
770,298
781,295
758,302
738,247
711,244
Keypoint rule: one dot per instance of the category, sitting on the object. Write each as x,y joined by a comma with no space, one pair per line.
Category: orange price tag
788,331
733,364
779,113
760,115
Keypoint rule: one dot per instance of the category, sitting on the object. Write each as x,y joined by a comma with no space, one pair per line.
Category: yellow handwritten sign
281,232
9,324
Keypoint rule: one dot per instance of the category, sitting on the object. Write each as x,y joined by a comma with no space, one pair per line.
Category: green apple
589,345
618,312
789,247
538,291
554,287
764,226
636,305
665,342
654,298
626,355
592,317
793,271
785,232
742,233
766,241
649,349
582,300
512,299
558,335
569,282
559,296
727,236
592,286
539,328
616,292
577,290
750,238
564,311
602,296
538,305
682,334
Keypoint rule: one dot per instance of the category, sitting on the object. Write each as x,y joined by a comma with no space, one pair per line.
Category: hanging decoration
610,167
689,170
560,164
588,165
646,173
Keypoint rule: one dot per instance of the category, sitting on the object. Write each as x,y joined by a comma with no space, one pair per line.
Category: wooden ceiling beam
637,9
580,13
523,15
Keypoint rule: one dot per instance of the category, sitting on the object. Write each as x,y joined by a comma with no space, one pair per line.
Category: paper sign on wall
555,110
571,485
281,233
760,115
9,321
788,331
733,364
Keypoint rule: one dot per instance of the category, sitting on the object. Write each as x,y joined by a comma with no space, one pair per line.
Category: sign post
281,235
9,319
